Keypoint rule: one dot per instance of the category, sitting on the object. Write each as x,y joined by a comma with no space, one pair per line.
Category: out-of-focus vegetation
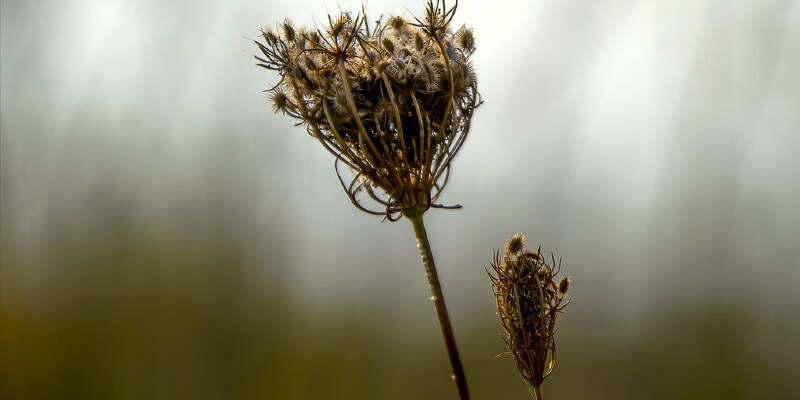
115,314
114,291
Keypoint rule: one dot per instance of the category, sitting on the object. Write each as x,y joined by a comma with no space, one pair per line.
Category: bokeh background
165,236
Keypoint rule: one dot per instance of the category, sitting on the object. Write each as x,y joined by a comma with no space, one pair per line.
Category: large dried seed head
515,244
381,98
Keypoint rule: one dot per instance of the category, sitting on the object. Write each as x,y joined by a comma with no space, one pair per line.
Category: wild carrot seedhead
529,298
392,100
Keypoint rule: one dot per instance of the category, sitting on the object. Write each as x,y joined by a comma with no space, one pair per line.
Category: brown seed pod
515,244
528,302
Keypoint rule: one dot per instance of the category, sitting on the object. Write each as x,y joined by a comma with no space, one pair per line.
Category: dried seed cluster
393,101
528,301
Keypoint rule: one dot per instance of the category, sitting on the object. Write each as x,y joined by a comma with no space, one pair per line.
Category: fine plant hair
392,101
529,298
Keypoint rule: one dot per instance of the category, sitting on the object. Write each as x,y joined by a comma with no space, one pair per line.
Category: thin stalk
535,390
438,302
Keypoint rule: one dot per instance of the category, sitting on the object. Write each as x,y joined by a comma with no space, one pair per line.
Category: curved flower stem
438,301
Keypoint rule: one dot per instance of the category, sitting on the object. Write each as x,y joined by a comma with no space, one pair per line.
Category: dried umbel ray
392,101
529,298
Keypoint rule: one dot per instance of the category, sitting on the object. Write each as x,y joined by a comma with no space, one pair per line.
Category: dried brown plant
393,102
529,298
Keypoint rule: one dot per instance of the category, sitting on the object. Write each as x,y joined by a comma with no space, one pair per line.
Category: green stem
438,302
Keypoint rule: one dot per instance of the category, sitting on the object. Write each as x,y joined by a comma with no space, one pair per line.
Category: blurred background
164,235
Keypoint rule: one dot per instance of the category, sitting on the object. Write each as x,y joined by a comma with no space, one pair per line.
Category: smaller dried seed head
515,244
563,284
528,300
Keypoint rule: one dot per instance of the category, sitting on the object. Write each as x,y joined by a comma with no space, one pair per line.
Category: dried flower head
397,22
288,30
280,102
465,39
563,284
528,301
388,45
515,244
392,101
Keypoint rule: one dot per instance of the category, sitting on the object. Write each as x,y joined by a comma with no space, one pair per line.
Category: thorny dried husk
529,298
392,100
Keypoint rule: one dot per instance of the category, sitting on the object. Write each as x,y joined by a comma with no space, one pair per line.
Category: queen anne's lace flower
393,101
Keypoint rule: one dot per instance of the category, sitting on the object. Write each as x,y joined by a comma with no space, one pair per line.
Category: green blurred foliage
121,316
